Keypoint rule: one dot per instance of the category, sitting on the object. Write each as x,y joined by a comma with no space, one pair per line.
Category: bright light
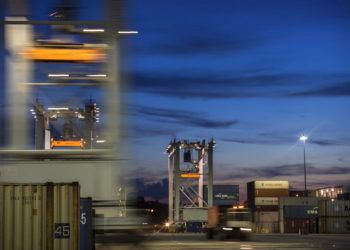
227,229
128,32
94,30
100,141
58,108
96,75
31,110
58,75
303,138
167,224
245,229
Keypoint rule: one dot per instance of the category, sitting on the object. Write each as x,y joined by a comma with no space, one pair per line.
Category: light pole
304,138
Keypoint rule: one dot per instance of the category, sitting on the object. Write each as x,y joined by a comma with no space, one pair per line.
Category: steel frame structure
181,187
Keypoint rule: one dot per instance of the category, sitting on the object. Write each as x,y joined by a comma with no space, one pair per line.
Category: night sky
253,75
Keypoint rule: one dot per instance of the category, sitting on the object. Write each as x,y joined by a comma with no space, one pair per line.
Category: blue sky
254,75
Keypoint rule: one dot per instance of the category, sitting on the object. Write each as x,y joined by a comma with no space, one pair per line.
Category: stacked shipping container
334,216
263,199
39,216
298,214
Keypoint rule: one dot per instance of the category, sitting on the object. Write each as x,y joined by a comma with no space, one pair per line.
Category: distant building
223,194
328,192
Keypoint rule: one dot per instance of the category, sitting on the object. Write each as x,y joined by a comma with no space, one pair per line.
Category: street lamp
304,138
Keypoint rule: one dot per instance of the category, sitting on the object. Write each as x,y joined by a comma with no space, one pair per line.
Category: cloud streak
184,117
282,170
222,85
194,43
340,89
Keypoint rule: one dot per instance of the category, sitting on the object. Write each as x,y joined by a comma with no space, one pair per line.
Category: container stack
263,198
298,214
39,216
334,216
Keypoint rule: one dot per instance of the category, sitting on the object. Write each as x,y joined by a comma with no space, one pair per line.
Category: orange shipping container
271,192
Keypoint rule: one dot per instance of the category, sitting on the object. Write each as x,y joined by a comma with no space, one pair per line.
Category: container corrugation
39,216
340,208
266,227
271,185
269,201
300,225
271,192
266,217
298,201
300,212
267,208
334,225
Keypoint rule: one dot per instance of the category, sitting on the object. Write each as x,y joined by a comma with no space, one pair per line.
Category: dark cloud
266,138
156,190
151,131
239,85
205,85
340,89
206,42
283,170
328,142
187,118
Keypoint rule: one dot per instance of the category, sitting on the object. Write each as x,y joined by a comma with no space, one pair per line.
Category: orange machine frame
56,143
64,54
190,175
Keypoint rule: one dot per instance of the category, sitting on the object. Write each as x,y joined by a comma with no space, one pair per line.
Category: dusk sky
253,75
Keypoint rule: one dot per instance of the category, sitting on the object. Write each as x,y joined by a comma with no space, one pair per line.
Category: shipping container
266,227
223,194
263,201
340,208
265,216
271,185
300,212
334,224
271,193
194,226
298,201
39,216
195,214
213,216
303,226
267,208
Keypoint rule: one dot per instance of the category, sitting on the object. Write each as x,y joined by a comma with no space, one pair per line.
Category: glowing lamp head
303,138
167,224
